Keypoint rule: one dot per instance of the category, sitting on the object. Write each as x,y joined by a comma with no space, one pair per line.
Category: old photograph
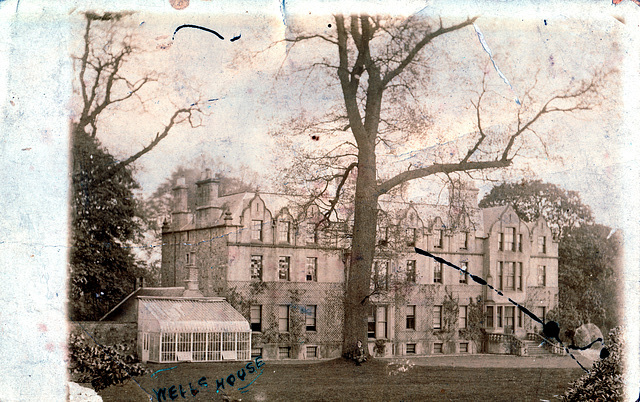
301,202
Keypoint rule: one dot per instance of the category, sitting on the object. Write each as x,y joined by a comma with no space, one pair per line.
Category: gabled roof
190,315
165,292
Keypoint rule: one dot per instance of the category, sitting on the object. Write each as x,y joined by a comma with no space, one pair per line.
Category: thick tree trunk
362,250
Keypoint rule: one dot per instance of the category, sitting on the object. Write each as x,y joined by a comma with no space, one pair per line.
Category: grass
341,380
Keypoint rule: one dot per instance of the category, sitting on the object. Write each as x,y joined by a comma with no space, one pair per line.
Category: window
383,236
411,271
437,347
284,264
256,352
489,317
510,275
284,352
283,318
438,237
509,239
411,237
464,274
256,318
382,322
500,274
256,267
312,269
168,347
520,318
411,348
371,323
542,275
464,240
411,317
381,274
501,242
542,313
312,233
256,230
462,317
464,347
310,318
284,231
437,272
499,316
312,352
509,312
188,258
520,242
437,317
519,278
542,244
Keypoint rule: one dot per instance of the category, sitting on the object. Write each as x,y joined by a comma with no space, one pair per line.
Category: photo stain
315,137
550,329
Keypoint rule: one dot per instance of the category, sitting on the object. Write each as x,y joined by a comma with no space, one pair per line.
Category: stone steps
534,349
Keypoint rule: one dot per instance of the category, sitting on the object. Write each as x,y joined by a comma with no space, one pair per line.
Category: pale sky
257,93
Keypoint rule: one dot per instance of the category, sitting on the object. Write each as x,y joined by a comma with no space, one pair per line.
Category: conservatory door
145,347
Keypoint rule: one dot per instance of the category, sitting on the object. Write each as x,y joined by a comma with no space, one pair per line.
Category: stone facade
265,255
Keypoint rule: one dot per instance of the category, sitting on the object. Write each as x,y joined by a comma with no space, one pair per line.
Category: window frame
436,318
283,308
314,269
410,349
542,244
312,233
284,231
260,270
464,276
510,239
542,275
411,271
489,322
259,318
410,314
437,272
438,237
310,318
284,259
256,230
463,317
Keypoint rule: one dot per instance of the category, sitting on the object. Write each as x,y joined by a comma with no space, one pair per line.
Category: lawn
340,380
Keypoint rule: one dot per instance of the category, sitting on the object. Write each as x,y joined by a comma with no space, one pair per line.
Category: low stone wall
109,334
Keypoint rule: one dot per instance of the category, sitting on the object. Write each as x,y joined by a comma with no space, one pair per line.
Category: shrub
604,381
102,366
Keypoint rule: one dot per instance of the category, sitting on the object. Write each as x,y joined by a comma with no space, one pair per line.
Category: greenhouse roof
163,314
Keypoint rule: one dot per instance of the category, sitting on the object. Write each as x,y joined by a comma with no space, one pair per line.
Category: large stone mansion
265,254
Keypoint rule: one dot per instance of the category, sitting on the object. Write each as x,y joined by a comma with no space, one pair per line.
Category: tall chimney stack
180,212
207,192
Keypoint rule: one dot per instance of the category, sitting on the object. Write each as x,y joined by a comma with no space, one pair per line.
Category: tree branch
390,75
402,177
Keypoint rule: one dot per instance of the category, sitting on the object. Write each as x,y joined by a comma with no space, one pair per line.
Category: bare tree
382,62
102,84
106,217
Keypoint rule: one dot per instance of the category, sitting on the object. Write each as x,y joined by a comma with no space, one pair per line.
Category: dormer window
256,230
284,231
542,244
438,238
510,239
312,233
411,237
383,236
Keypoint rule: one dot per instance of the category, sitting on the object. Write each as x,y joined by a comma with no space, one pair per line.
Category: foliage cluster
604,382
102,366
475,322
105,221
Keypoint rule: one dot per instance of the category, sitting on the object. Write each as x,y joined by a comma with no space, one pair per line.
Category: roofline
119,304
183,298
